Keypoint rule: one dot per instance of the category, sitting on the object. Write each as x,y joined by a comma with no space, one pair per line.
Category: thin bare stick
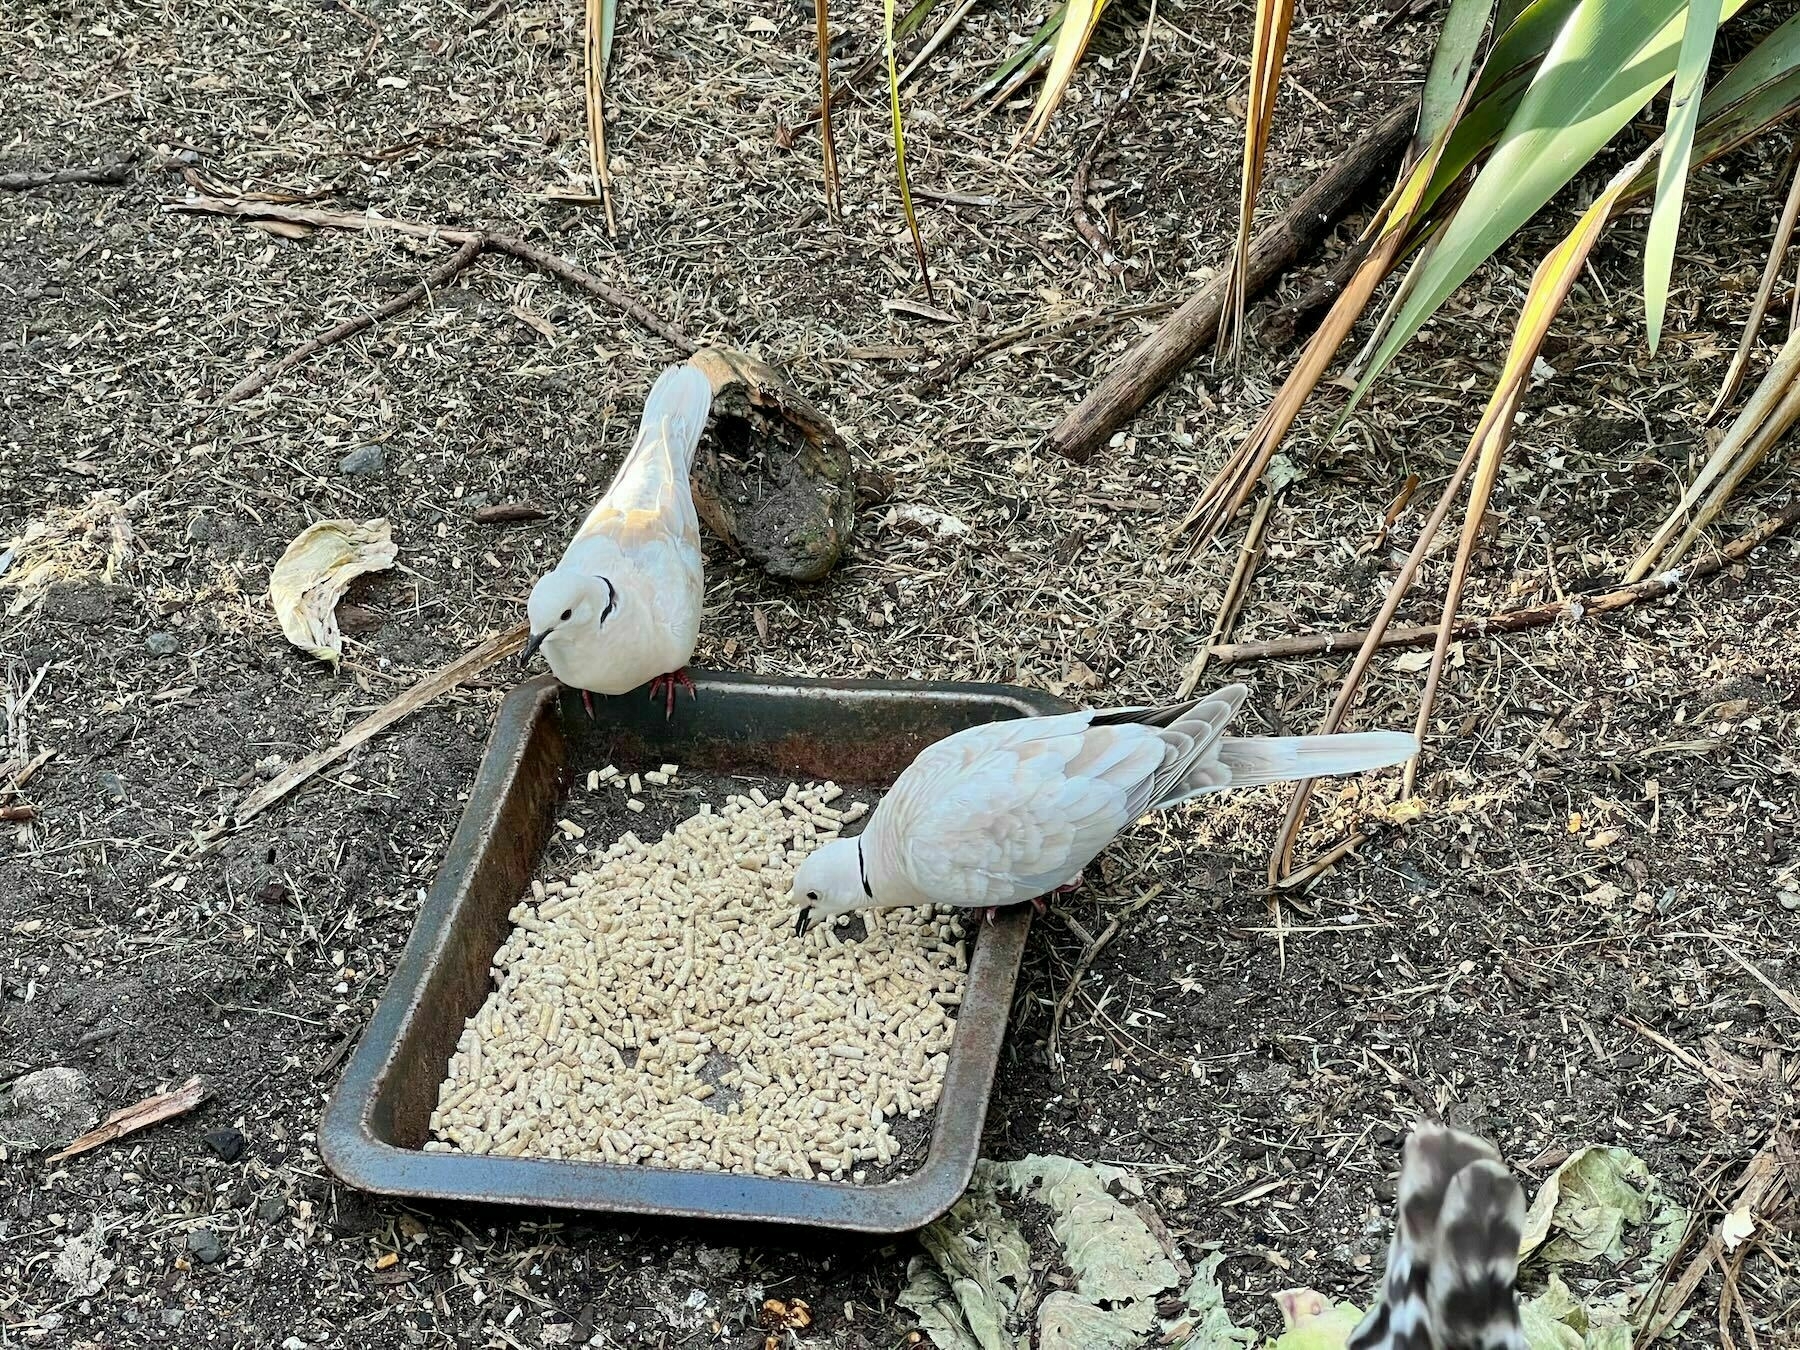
1784,231
593,81
1239,587
1402,583
1493,452
419,229
938,38
822,19
153,1109
470,664
440,277
1574,609
1086,959
106,175
1085,225
1141,374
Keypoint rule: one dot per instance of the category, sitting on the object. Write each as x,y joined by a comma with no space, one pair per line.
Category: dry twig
560,268
1086,959
470,664
152,1110
1517,620
440,277
1150,365
1085,225
1235,591
105,175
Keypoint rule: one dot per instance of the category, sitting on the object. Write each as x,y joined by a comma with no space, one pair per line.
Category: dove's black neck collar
862,869
612,601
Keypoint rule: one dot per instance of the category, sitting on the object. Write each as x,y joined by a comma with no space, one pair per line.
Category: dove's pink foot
665,685
1037,903
992,910
1064,889
587,701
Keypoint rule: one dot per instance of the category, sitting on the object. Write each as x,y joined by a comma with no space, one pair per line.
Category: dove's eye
813,896
567,614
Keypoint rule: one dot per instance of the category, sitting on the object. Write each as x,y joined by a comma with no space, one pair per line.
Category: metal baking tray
855,732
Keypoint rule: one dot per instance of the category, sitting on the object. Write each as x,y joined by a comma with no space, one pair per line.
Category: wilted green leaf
1588,1203
1557,1320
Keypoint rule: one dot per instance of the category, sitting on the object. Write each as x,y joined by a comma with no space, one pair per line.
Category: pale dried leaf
315,571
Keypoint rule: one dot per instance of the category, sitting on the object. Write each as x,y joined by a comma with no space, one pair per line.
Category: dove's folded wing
1010,811
648,500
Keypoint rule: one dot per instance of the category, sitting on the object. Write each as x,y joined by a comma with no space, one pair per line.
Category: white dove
622,607
1455,1255
1011,811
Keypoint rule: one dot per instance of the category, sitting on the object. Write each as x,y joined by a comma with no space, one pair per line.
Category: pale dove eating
1011,811
622,608
1455,1254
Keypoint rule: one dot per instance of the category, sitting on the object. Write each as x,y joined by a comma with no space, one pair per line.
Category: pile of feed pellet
659,1009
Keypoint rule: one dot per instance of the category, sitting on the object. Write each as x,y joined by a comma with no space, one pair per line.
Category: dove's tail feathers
1256,760
653,476
1455,1255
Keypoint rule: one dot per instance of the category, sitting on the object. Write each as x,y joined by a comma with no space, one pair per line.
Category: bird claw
992,910
1037,903
587,701
665,685
1071,885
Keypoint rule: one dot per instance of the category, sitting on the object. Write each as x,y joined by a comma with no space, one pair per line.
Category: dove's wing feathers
649,497
1455,1255
1191,734
1007,811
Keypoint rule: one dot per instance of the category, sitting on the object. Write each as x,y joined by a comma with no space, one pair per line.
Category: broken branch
1160,357
109,175
152,1110
1517,620
437,280
470,664
558,267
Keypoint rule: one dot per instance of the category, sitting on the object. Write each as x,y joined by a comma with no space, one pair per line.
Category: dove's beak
537,640
803,922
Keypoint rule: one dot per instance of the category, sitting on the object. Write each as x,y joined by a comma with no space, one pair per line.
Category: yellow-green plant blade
1672,171
906,202
913,18
1080,18
1020,55
1606,63
609,18
1451,62
1268,47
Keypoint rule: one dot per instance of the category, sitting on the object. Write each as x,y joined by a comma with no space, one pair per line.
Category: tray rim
354,1151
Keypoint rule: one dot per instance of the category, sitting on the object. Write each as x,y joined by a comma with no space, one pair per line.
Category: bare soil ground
1611,808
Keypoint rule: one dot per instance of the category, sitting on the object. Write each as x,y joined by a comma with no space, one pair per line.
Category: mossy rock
772,476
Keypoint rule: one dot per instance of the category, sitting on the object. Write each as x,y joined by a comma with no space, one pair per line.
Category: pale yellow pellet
658,1009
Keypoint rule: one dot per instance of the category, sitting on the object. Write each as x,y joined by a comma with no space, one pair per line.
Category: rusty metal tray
857,732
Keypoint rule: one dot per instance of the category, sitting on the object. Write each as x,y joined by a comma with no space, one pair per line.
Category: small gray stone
163,644
366,461
202,530
721,1261
111,784
171,1317
272,1209
204,1246
46,1108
